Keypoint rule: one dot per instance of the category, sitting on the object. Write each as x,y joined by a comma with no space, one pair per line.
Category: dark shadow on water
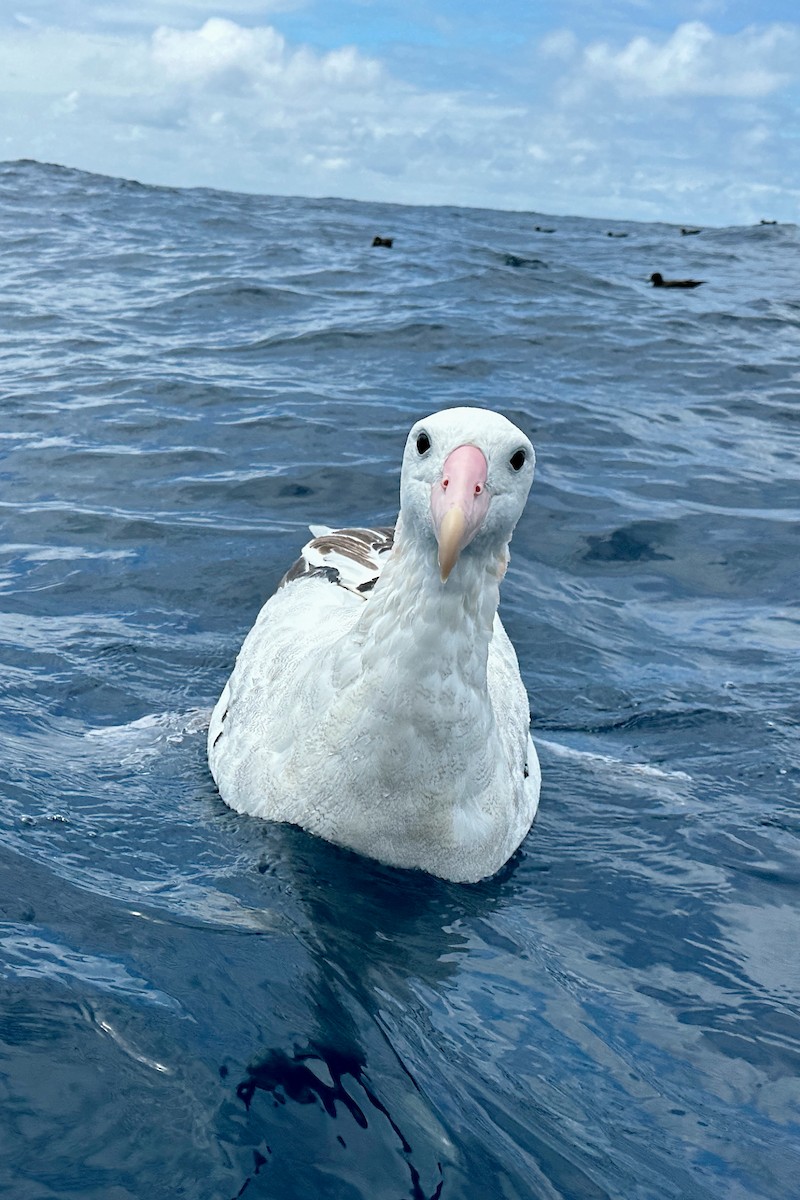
342,1110
634,543
322,1075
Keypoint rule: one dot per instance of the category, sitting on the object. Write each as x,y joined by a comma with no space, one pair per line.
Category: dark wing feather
350,558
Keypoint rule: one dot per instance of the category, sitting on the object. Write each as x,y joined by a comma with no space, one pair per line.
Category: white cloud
692,126
695,61
219,48
222,55
67,104
685,127
560,44
228,105
145,15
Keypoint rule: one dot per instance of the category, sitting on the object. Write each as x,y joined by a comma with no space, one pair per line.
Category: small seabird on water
658,280
687,232
382,241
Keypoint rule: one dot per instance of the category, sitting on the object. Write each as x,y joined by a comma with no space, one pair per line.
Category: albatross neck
434,635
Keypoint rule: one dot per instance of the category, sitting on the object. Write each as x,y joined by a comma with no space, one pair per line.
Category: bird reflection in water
317,1075
347,1096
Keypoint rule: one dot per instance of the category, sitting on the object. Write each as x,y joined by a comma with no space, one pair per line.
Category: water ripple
191,378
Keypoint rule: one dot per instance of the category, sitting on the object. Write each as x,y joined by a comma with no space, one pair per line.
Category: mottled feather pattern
350,558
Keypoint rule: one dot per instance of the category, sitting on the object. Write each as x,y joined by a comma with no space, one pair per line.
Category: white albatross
377,701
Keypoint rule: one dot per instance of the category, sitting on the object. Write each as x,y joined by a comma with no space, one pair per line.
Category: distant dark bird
658,280
686,232
514,260
613,233
541,229
763,222
379,241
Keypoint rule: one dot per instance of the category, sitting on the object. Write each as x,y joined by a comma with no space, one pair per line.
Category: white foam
146,736
617,765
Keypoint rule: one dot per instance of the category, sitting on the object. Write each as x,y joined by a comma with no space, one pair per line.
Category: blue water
194,1003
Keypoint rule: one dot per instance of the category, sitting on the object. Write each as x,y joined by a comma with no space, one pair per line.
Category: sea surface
199,1004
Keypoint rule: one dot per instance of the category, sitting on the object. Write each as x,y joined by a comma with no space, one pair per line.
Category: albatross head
465,479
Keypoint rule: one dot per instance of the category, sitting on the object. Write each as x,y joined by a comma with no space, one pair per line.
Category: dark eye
517,460
423,443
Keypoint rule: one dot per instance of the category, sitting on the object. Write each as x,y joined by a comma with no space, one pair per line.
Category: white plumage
377,700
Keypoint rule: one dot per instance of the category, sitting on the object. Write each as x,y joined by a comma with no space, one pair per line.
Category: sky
675,110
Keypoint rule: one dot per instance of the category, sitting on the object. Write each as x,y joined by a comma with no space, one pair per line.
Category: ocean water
195,1003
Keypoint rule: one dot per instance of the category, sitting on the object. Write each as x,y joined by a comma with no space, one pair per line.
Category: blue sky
680,110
